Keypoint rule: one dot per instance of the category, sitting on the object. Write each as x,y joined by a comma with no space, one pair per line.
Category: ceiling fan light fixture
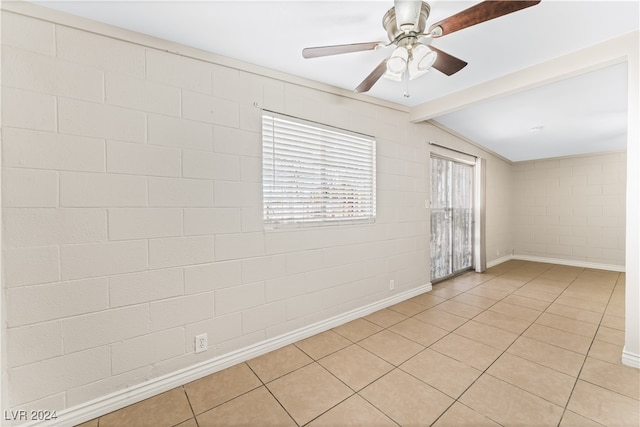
422,59
396,77
397,63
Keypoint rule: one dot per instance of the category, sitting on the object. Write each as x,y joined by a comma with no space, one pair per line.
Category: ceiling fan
413,56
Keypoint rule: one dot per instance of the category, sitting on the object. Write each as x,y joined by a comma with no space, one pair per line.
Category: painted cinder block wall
572,208
132,212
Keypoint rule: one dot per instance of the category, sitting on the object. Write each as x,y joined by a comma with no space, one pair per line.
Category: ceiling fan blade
481,12
315,52
372,78
446,63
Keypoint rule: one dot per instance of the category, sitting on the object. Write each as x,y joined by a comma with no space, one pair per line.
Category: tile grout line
455,400
484,372
521,334
271,393
585,358
190,405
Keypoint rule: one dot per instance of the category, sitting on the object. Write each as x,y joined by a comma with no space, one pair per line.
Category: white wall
571,208
631,354
131,208
132,214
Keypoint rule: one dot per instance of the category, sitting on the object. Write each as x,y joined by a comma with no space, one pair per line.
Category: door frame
479,260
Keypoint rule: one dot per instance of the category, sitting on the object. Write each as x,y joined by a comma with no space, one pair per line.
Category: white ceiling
580,115
272,34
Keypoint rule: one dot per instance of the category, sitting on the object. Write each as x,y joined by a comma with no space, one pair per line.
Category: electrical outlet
392,284
201,343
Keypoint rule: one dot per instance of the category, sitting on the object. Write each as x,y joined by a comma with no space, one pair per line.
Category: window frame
332,142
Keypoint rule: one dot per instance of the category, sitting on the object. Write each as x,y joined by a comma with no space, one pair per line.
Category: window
316,175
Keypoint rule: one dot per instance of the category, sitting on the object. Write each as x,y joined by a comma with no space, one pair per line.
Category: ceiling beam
592,58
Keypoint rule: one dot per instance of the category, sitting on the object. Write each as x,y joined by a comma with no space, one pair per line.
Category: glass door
451,217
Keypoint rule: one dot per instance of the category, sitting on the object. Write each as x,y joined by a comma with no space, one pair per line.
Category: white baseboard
568,262
499,261
630,359
119,399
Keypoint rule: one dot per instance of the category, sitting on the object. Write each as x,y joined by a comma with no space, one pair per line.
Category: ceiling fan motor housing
390,25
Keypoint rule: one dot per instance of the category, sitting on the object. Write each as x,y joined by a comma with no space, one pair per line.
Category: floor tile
461,286
385,317
475,300
322,344
459,415
569,325
566,340
548,355
544,382
486,334
467,351
522,313
279,362
441,372
500,321
418,331
189,423
509,405
308,392
581,304
532,303
355,366
594,295
474,278
91,423
615,377
603,406
487,291
534,293
504,282
575,313
428,300
357,330
612,336
355,411
441,319
616,308
220,387
408,308
391,347
571,419
548,285
607,352
459,309
403,398
166,409
444,292
258,407
614,322
563,272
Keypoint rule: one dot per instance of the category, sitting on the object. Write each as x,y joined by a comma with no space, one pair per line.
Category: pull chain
405,76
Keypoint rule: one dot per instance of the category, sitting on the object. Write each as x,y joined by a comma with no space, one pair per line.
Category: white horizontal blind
313,174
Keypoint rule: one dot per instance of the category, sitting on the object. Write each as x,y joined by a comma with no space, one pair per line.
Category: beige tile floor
525,344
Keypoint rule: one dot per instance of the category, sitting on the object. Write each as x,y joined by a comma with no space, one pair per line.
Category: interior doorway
452,217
